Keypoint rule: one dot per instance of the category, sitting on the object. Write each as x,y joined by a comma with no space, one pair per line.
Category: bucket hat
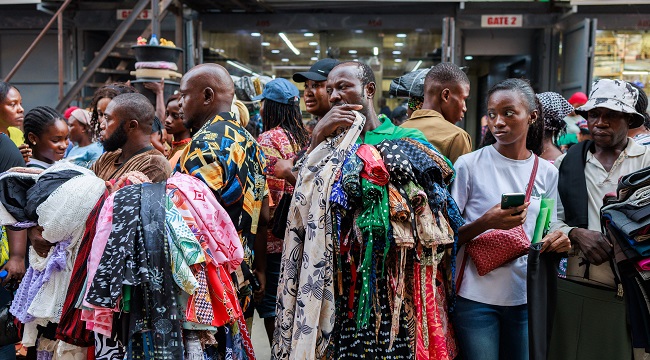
280,90
617,95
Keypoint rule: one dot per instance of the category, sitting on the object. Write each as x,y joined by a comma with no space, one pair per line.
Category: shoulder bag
494,248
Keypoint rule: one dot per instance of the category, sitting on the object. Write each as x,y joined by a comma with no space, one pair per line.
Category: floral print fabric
305,306
276,145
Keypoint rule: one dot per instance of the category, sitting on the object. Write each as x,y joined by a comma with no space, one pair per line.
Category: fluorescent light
375,51
316,51
396,52
417,65
289,44
352,51
308,34
313,43
285,60
469,57
265,43
399,44
629,72
255,34
314,59
355,59
275,51
358,31
240,67
401,35
398,60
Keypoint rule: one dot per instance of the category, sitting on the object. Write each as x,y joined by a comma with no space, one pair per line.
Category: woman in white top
491,318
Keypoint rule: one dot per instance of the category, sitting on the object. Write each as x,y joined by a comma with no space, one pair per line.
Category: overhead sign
502,20
122,14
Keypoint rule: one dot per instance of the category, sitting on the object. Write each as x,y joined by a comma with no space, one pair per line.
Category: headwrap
415,103
555,108
83,116
69,111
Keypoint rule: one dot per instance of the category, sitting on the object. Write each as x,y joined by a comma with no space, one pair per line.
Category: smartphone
512,200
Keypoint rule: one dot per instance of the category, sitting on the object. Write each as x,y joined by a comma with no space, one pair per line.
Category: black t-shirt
9,154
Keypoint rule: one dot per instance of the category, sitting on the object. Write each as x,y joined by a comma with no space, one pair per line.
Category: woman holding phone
491,317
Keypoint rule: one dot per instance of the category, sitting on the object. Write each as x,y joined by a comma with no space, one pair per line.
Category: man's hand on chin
338,116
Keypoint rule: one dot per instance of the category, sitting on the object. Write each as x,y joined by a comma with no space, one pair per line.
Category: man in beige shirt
590,321
446,88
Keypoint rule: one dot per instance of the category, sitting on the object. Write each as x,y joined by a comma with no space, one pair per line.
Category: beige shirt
448,138
599,183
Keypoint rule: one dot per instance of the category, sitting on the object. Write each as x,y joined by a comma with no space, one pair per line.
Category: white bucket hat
617,95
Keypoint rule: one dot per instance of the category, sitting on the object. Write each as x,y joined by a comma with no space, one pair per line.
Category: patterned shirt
227,158
276,145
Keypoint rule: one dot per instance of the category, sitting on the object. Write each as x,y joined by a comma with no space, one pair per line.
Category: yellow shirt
448,138
16,136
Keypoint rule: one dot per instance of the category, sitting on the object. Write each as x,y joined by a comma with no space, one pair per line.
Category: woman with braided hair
46,133
283,137
100,101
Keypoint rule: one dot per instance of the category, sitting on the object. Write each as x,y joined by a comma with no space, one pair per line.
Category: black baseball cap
317,72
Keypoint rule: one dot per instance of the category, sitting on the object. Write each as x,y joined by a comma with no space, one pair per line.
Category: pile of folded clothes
626,221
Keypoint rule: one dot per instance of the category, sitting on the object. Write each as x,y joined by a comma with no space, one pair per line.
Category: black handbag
280,215
8,328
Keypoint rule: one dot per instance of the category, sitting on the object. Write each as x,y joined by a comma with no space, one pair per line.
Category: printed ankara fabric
227,158
374,169
120,263
154,312
207,219
396,162
305,307
276,145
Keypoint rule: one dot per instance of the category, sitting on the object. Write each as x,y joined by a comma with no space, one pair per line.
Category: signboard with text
502,20
124,13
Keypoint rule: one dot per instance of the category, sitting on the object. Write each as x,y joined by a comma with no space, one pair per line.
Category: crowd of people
134,230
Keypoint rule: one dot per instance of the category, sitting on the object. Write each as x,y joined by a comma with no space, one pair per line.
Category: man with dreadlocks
284,136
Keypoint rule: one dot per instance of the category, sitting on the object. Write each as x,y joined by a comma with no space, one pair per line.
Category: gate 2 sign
502,20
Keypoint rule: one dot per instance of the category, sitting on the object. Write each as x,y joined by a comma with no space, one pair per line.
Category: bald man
227,158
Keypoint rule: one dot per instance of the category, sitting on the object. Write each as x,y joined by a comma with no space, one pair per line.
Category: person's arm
594,245
283,170
158,88
15,266
338,116
260,248
40,245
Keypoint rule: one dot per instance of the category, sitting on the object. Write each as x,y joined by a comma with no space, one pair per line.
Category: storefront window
274,54
623,55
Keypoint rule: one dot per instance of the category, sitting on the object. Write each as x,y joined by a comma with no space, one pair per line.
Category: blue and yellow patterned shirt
227,158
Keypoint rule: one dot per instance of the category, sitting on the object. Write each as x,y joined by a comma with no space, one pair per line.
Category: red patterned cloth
374,169
275,144
434,335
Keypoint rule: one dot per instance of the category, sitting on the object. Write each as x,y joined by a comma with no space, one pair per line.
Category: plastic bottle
154,40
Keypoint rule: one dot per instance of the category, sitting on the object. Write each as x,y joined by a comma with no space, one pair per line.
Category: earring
33,142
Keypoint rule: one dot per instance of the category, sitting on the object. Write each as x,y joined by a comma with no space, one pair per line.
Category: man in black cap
315,95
